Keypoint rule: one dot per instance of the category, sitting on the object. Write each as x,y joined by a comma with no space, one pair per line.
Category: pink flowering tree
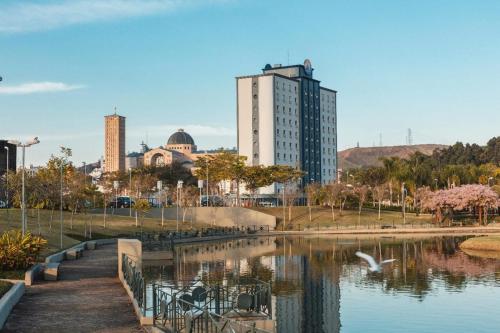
477,198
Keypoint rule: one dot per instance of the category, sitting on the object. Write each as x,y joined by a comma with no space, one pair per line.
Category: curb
9,300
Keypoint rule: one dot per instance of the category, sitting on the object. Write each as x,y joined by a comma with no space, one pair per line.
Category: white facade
283,121
268,122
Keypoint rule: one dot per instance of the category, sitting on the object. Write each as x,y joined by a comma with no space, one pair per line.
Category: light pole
32,142
208,198
403,194
7,185
130,191
84,173
66,153
179,194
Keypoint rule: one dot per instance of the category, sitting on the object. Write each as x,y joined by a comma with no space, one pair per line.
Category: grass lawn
116,226
483,243
322,217
4,287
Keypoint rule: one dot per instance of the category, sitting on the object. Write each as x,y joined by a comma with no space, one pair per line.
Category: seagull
373,266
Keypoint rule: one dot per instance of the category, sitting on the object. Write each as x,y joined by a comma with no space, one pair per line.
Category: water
319,285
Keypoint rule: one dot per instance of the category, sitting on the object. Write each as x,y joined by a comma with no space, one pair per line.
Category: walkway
87,298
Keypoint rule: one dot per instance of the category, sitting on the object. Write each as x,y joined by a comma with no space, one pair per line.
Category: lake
320,285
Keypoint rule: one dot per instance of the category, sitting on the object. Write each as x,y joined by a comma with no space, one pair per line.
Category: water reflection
310,275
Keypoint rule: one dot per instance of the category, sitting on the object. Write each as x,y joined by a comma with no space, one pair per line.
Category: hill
369,156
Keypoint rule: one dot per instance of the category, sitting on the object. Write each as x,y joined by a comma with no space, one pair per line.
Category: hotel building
285,117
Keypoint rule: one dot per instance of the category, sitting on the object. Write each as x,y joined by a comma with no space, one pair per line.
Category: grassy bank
322,217
79,229
483,243
4,287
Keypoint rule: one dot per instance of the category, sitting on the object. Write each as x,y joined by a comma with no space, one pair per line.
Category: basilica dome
180,138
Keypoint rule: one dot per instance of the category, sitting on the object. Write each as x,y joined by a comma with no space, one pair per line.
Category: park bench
75,253
387,226
91,245
51,271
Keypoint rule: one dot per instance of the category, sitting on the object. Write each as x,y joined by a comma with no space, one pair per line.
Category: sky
428,65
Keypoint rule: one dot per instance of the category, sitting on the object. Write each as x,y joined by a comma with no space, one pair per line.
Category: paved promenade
87,298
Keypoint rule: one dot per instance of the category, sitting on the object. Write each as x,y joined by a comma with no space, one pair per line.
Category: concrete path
87,298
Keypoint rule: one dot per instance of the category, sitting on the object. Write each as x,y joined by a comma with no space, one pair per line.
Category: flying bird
373,266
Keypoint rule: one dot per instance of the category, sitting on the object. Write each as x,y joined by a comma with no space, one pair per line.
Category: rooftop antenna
115,110
288,57
380,139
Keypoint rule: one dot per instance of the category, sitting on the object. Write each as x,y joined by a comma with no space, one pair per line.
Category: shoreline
451,230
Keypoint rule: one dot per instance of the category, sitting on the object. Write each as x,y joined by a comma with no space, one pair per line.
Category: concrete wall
216,216
9,300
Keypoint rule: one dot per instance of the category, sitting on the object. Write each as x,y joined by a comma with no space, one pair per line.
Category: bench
91,245
73,254
51,271
387,226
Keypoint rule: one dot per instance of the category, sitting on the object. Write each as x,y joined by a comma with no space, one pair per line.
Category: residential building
114,147
285,117
10,150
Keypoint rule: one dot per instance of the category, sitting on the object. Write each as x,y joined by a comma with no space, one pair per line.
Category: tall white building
286,118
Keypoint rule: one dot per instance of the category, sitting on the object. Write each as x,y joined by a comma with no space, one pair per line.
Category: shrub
18,252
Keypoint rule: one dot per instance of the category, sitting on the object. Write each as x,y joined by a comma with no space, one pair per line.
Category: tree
256,177
476,197
362,193
332,193
284,174
379,193
312,194
142,206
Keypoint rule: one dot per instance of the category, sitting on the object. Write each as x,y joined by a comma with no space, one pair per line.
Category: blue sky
431,66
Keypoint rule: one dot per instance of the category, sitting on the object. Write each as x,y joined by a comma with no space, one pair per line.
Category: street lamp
403,193
29,143
179,198
7,183
130,191
66,153
84,173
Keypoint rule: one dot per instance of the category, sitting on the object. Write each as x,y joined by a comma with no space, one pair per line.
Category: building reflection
306,272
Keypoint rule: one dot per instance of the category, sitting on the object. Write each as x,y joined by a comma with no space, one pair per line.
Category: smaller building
10,150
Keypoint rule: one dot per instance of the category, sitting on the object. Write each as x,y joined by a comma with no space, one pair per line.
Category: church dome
180,138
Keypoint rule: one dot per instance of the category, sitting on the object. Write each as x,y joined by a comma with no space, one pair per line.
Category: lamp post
84,173
7,185
66,153
130,191
179,198
403,194
30,143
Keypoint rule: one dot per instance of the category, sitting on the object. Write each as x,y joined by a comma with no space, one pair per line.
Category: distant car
267,204
121,202
212,201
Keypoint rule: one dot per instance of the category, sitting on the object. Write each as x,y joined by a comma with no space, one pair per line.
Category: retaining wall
216,216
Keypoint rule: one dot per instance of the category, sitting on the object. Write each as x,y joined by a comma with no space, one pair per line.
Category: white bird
373,266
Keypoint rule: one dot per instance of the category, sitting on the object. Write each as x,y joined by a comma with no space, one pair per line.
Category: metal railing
201,307
135,281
